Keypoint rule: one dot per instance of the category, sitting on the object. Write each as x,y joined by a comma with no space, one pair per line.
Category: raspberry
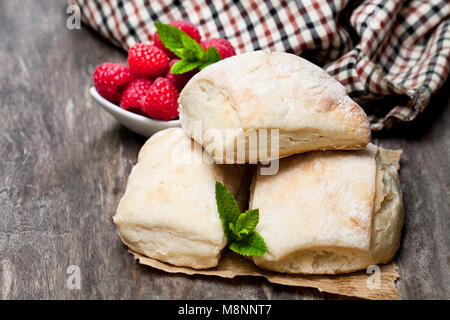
146,60
133,94
189,28
185,26
161,101
179,80
223,46
110,80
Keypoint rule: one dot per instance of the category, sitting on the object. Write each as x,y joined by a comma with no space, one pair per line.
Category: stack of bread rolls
333,204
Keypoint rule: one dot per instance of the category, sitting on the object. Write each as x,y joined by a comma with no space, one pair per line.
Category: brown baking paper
361,284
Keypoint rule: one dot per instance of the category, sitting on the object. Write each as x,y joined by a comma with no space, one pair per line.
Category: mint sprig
190,52
239,227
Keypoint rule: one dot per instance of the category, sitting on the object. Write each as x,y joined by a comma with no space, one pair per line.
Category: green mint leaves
251,245
190,52
239,227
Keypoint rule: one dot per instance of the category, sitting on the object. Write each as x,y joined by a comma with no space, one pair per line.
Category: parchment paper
362,284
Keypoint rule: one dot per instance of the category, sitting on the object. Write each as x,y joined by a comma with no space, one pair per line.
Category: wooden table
64,165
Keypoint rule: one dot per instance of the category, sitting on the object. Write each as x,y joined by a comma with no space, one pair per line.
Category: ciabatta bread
236,98
168,211
329,212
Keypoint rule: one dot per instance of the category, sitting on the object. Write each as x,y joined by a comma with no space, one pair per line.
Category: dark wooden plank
65,164
423,258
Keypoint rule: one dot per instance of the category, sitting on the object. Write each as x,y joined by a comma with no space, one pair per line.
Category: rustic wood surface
64,165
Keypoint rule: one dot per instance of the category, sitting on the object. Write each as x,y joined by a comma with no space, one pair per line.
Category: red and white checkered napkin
391,55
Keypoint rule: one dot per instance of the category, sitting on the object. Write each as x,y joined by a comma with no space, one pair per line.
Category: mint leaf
179,42
186,54
211,56
232,227
190,52
247,222
250,245
239,227
193,47
228,209
170,36
183,66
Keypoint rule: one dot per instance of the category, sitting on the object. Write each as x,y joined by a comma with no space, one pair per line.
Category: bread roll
227,104
329,212
168,211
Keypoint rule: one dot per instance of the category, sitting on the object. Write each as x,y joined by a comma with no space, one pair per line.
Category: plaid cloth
391,55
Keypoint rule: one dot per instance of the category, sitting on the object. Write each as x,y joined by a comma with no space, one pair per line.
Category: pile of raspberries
146,86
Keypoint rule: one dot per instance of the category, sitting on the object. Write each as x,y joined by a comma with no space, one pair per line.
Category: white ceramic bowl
135,122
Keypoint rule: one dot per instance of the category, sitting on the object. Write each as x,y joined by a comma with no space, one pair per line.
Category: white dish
135,122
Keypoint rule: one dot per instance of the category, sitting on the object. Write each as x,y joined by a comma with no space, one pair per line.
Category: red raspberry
223,46
179,80
133,94
161,101
189,28
110,80
185,26
146,60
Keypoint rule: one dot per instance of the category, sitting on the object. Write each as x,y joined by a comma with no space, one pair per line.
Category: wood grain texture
64,165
